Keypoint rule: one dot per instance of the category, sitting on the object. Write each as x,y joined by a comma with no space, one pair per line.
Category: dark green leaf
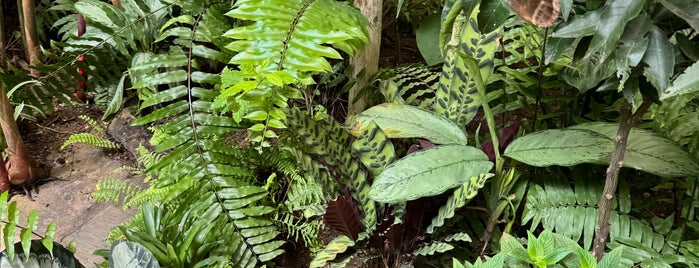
685,9
659,59
615,15
427,37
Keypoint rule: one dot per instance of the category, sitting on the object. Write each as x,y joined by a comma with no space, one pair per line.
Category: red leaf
343,215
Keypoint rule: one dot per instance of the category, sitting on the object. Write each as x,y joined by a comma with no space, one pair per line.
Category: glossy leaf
563,147
130,254
610,26
685,83
405,121
429,172
659,59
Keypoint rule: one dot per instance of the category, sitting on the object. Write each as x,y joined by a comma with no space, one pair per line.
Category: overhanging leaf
563,147
405,121
429,172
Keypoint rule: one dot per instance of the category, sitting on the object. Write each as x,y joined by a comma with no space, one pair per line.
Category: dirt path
66,197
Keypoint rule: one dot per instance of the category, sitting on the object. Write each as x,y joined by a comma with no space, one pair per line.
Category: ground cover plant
514,133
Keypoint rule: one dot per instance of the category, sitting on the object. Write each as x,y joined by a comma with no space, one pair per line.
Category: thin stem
626,123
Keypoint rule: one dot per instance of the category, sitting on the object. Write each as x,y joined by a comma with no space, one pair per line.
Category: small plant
547,250
98,139
44,249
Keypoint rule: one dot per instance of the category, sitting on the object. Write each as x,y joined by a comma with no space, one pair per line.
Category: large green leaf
687,82
564,147
405,121
611,25
649,152
429,172
660,59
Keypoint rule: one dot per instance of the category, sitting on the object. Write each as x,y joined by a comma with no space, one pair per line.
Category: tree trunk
21,168
626,122
368,59
31,40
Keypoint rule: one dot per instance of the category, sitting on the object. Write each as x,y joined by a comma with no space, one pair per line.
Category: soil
65,196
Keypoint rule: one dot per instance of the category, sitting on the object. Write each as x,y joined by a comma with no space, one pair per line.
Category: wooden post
368,59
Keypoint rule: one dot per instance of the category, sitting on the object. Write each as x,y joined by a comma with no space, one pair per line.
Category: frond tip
296,35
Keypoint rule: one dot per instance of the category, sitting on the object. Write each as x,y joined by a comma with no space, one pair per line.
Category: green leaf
339,245
685,9
429,172
256,115
586,259
457,97
610,26
433,248
47,241
648,151
458,199
405,121
659,59
286,34
116,101
685,83
580,25
26,233
427,37
563,147
510,246
374,148
611,259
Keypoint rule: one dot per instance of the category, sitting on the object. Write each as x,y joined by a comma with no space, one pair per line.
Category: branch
626,123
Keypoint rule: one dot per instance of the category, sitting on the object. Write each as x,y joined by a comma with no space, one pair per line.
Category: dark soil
45,136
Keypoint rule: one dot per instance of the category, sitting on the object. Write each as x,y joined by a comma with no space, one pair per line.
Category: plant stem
626,123
475,73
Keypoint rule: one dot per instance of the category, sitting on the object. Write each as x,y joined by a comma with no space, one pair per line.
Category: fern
572,213
10,217
288,43
90,139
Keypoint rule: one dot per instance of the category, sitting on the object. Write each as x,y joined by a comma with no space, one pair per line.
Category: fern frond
90,139
291,37
112,189
287,43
